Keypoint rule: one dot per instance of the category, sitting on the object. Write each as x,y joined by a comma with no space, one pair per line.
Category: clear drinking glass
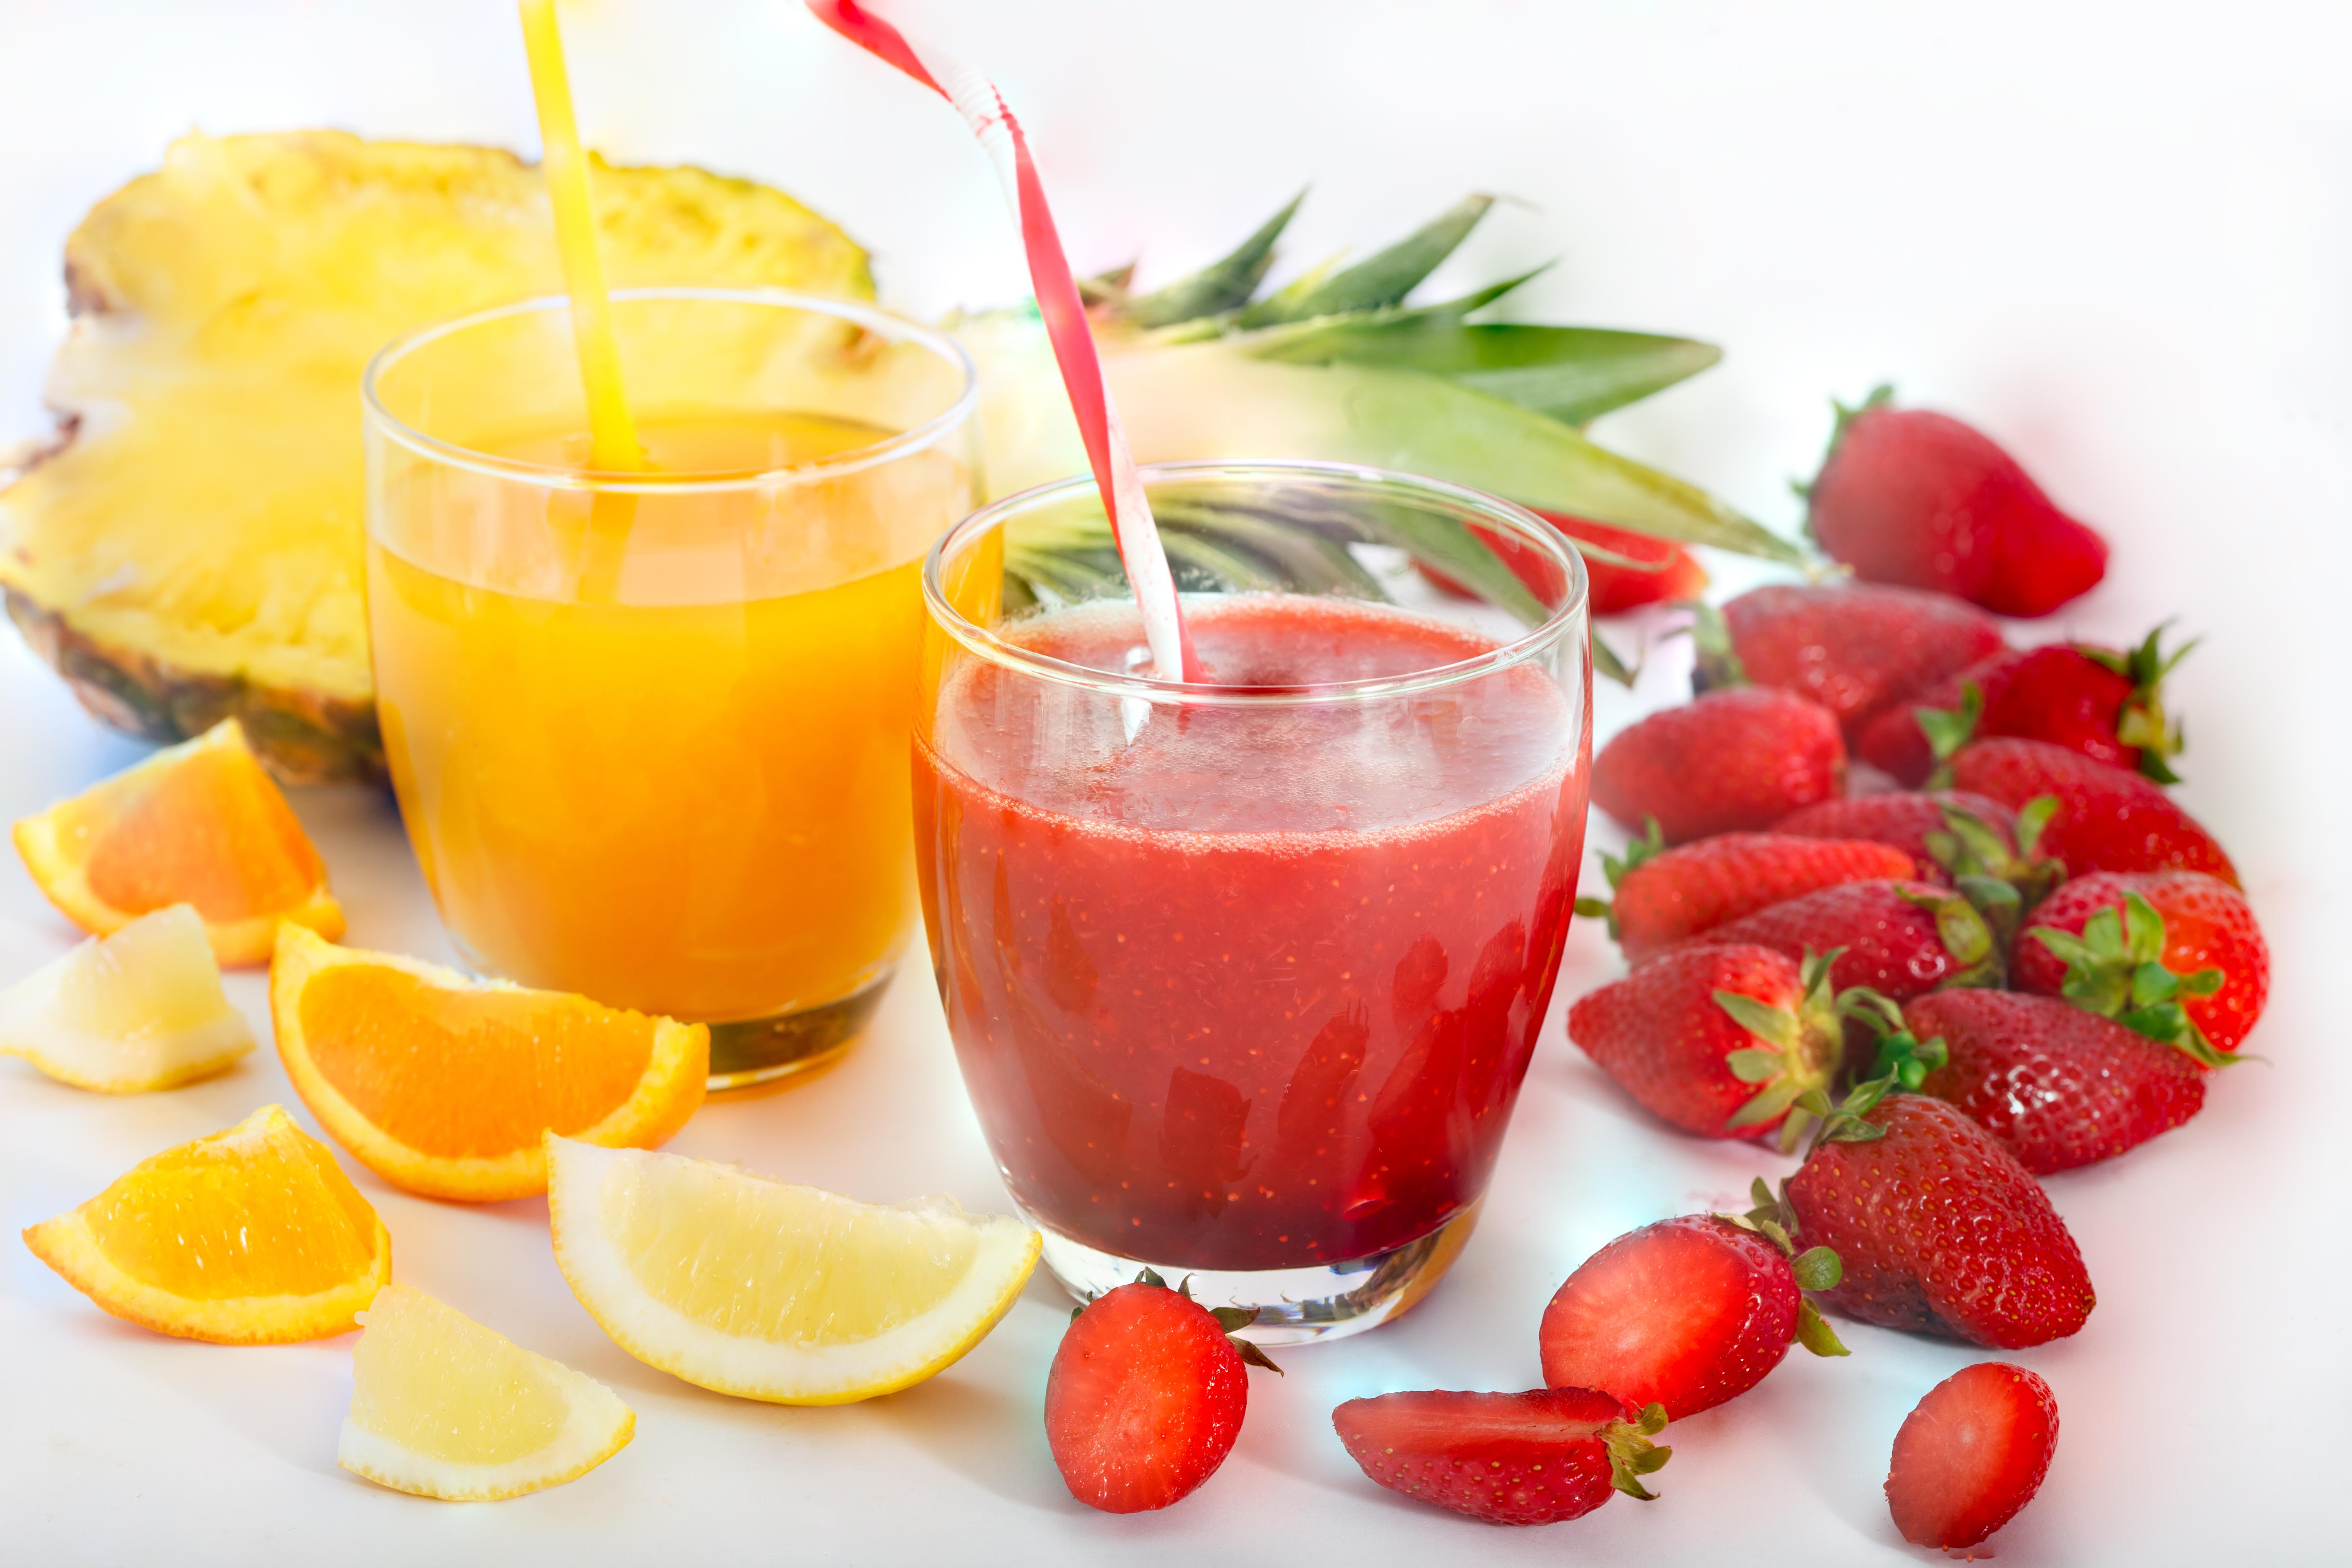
649,729
1243,975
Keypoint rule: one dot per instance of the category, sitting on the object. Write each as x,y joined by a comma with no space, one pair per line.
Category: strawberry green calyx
1631,1455
1903,1058
1881,397
1816,1267
2141,720
2115,969
1652,844
1718,668
1950,729
1982,862
1963,928
1231,1319
1799,1050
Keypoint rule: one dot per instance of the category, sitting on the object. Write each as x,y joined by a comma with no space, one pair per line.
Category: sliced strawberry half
1971,1454
1509,1458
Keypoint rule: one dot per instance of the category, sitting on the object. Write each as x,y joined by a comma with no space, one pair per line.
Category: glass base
760,1050
1294,1306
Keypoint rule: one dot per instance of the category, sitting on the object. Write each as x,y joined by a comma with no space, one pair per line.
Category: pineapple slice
188,547
123,1014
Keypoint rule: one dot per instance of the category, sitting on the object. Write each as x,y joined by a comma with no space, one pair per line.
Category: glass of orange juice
650,730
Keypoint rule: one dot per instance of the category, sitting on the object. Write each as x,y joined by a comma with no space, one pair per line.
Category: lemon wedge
444,1407
752,1286
139,1010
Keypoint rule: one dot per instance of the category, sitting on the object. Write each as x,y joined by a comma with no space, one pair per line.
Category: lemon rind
85,1060
680,1059
669,1341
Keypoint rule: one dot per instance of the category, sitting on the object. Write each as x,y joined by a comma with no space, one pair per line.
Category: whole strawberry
1971,1454
2108,706
1660,571
1507,1459
1686,1313
1951,834
2060,1087
1921,500
2106,819
1939,1228
1900,939
1730,760
2175,954
1146,1396
1720,1041
1664,896
1854,647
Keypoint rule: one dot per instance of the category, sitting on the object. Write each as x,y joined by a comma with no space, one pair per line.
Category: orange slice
194,824
251,1236
443,1085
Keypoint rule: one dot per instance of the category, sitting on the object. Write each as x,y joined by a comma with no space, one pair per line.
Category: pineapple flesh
188,546
141,1009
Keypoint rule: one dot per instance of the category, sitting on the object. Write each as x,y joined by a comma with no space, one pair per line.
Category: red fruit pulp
1144,1400
1686,1313
1970,1455
1257,990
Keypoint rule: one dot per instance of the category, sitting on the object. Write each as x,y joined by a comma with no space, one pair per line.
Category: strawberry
1720,1041
1921,500
1854,647
1664,895
1938,1226
2106,819
2108,706
1952,835
1729,761
1970,1455
1507,1459
1686,1313
2060,1086
1900,938
1660,570
1147,1394
2175,954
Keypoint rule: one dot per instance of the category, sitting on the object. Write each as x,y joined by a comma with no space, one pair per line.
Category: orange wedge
251,1236
443,1085
196,823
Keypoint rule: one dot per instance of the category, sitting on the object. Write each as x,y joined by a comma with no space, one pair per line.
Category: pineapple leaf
1572,373
1220,286
1379,280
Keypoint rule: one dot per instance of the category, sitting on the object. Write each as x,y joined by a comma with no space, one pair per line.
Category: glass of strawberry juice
1243,974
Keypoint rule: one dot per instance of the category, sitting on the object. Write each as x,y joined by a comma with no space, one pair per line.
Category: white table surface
2117,236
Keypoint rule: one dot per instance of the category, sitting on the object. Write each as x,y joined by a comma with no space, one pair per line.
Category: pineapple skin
165,619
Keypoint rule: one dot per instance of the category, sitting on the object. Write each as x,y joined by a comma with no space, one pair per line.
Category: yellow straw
610,428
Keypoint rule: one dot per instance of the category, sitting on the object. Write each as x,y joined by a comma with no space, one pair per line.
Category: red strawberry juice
1256,989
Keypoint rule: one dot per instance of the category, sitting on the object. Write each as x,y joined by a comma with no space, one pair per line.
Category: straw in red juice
984,110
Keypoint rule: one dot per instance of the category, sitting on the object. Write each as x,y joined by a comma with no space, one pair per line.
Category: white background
2118,237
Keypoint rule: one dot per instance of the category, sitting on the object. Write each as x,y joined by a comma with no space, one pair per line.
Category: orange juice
653,746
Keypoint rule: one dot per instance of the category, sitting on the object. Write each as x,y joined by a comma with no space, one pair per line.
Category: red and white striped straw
983,109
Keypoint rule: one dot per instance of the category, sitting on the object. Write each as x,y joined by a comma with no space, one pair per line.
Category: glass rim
872,318
1522,523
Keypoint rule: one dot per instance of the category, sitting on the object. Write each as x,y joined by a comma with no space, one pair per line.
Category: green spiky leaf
1223,285
1572,373
1382,279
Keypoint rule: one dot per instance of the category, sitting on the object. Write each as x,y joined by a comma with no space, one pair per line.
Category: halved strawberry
1686,1313
1970,1455
1147,1394
1509,1458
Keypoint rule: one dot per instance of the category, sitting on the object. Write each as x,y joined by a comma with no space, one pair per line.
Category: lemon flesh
141,1009
757,1288
444,1407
